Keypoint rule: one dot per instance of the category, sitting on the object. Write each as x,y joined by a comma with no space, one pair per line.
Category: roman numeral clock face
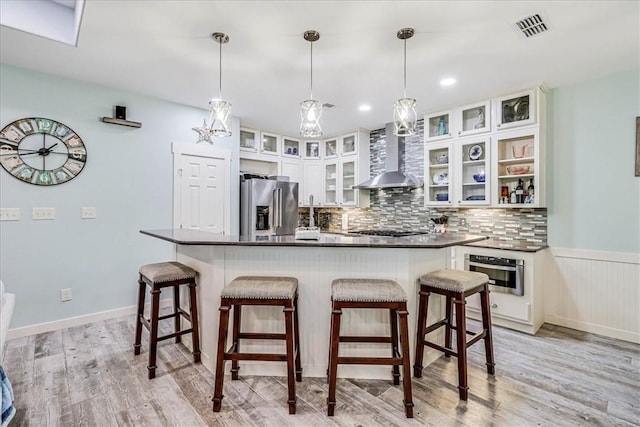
41,151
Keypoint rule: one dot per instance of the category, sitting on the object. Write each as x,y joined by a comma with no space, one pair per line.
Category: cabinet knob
459,132
494,305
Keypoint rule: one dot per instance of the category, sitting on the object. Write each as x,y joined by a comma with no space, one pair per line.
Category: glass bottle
530,192
520,192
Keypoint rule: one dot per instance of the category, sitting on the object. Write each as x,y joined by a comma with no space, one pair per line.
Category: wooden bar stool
259,290
158,276
456,286
371,293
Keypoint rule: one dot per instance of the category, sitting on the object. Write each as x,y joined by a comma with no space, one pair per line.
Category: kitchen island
315,263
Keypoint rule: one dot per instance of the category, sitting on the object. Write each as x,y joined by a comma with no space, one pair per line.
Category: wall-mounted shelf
121,122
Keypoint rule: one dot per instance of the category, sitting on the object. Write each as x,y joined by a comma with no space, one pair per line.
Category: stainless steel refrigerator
267,207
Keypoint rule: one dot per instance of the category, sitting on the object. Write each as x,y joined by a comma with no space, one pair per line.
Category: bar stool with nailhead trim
456,286
371,293
259,290
158,276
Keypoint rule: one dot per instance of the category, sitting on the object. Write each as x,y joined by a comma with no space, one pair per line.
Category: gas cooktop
387,233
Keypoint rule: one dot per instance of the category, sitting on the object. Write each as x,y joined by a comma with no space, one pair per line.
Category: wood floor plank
88,375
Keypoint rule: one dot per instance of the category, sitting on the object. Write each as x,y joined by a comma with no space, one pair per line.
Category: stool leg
333,362
447,329
176,313
142,290
195,335
222,341
296,331
486,325
461,337
406,365
235,336
289,338
422,320
393,321
330,341
153,335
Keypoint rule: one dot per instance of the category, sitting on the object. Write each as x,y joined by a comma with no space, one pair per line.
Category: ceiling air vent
532,25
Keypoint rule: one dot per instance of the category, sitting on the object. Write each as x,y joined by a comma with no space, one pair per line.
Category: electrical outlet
88,213
44,213
9,214
65,294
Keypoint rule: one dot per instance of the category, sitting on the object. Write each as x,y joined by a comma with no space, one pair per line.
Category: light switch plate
88,213
9,214
44,213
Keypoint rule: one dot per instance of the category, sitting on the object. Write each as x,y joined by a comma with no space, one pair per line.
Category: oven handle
492,266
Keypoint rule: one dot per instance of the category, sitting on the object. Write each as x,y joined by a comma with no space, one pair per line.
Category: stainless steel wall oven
505,274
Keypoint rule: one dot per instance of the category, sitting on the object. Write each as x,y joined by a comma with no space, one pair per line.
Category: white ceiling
163,48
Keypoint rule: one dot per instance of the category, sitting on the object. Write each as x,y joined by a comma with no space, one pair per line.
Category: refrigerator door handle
274,210
279,207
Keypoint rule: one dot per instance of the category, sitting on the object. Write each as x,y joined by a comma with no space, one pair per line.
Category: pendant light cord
220,81
405,68
311,87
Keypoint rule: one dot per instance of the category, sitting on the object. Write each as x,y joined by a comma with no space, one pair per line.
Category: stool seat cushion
261,287
454,280
367,290
167,272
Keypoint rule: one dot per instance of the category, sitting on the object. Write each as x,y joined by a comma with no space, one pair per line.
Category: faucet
312,222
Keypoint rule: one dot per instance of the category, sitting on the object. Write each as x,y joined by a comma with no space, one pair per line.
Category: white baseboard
629,336
78,320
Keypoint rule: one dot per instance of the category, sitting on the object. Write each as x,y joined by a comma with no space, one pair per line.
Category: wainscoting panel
595,292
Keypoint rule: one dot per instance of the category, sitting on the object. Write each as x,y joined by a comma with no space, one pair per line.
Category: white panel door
202,198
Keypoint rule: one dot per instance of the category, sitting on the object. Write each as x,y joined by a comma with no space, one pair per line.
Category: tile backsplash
403,209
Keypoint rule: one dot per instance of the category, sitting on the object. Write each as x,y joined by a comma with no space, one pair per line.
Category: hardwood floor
88,376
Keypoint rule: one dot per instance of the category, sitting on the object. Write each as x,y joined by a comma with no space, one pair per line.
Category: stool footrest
477,336
265,357
385,340
445,350
175,334
436,325
261,336
369,361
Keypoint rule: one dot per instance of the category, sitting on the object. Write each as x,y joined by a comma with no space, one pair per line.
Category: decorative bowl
479,177
518,169
442,159
442,197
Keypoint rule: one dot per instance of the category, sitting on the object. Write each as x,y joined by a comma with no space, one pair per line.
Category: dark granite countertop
183,236
508,245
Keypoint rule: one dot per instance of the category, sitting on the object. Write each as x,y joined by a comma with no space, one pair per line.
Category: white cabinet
291,168
330,148
517,161
331,186
249,140
348,144
340,176
523,313
437,174
473,119
458,173
290,147
269,144
437,126
517,109
311,183
312,150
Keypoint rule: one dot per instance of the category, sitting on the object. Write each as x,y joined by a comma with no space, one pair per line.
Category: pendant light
404,109
218,123
311,110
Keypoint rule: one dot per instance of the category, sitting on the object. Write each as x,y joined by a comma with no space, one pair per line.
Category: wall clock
41,151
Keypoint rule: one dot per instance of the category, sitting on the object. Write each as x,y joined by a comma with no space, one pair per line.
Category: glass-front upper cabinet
437,126
290,147
473,176
348,144
270,143
348,171
248,139
312,150
437,179
474,118
517,109
330,183
330,148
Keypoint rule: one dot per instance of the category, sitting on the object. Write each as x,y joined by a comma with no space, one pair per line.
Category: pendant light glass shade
218,123
405,118
311,110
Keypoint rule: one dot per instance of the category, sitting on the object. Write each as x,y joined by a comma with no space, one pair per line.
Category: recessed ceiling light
364,107
447,81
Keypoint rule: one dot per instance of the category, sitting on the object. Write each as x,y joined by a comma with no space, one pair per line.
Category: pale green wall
128,178
594,195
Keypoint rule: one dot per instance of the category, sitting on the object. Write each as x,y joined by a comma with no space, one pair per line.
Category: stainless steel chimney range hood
392,177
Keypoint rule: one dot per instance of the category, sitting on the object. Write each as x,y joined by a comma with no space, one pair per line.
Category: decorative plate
475,152
441,178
